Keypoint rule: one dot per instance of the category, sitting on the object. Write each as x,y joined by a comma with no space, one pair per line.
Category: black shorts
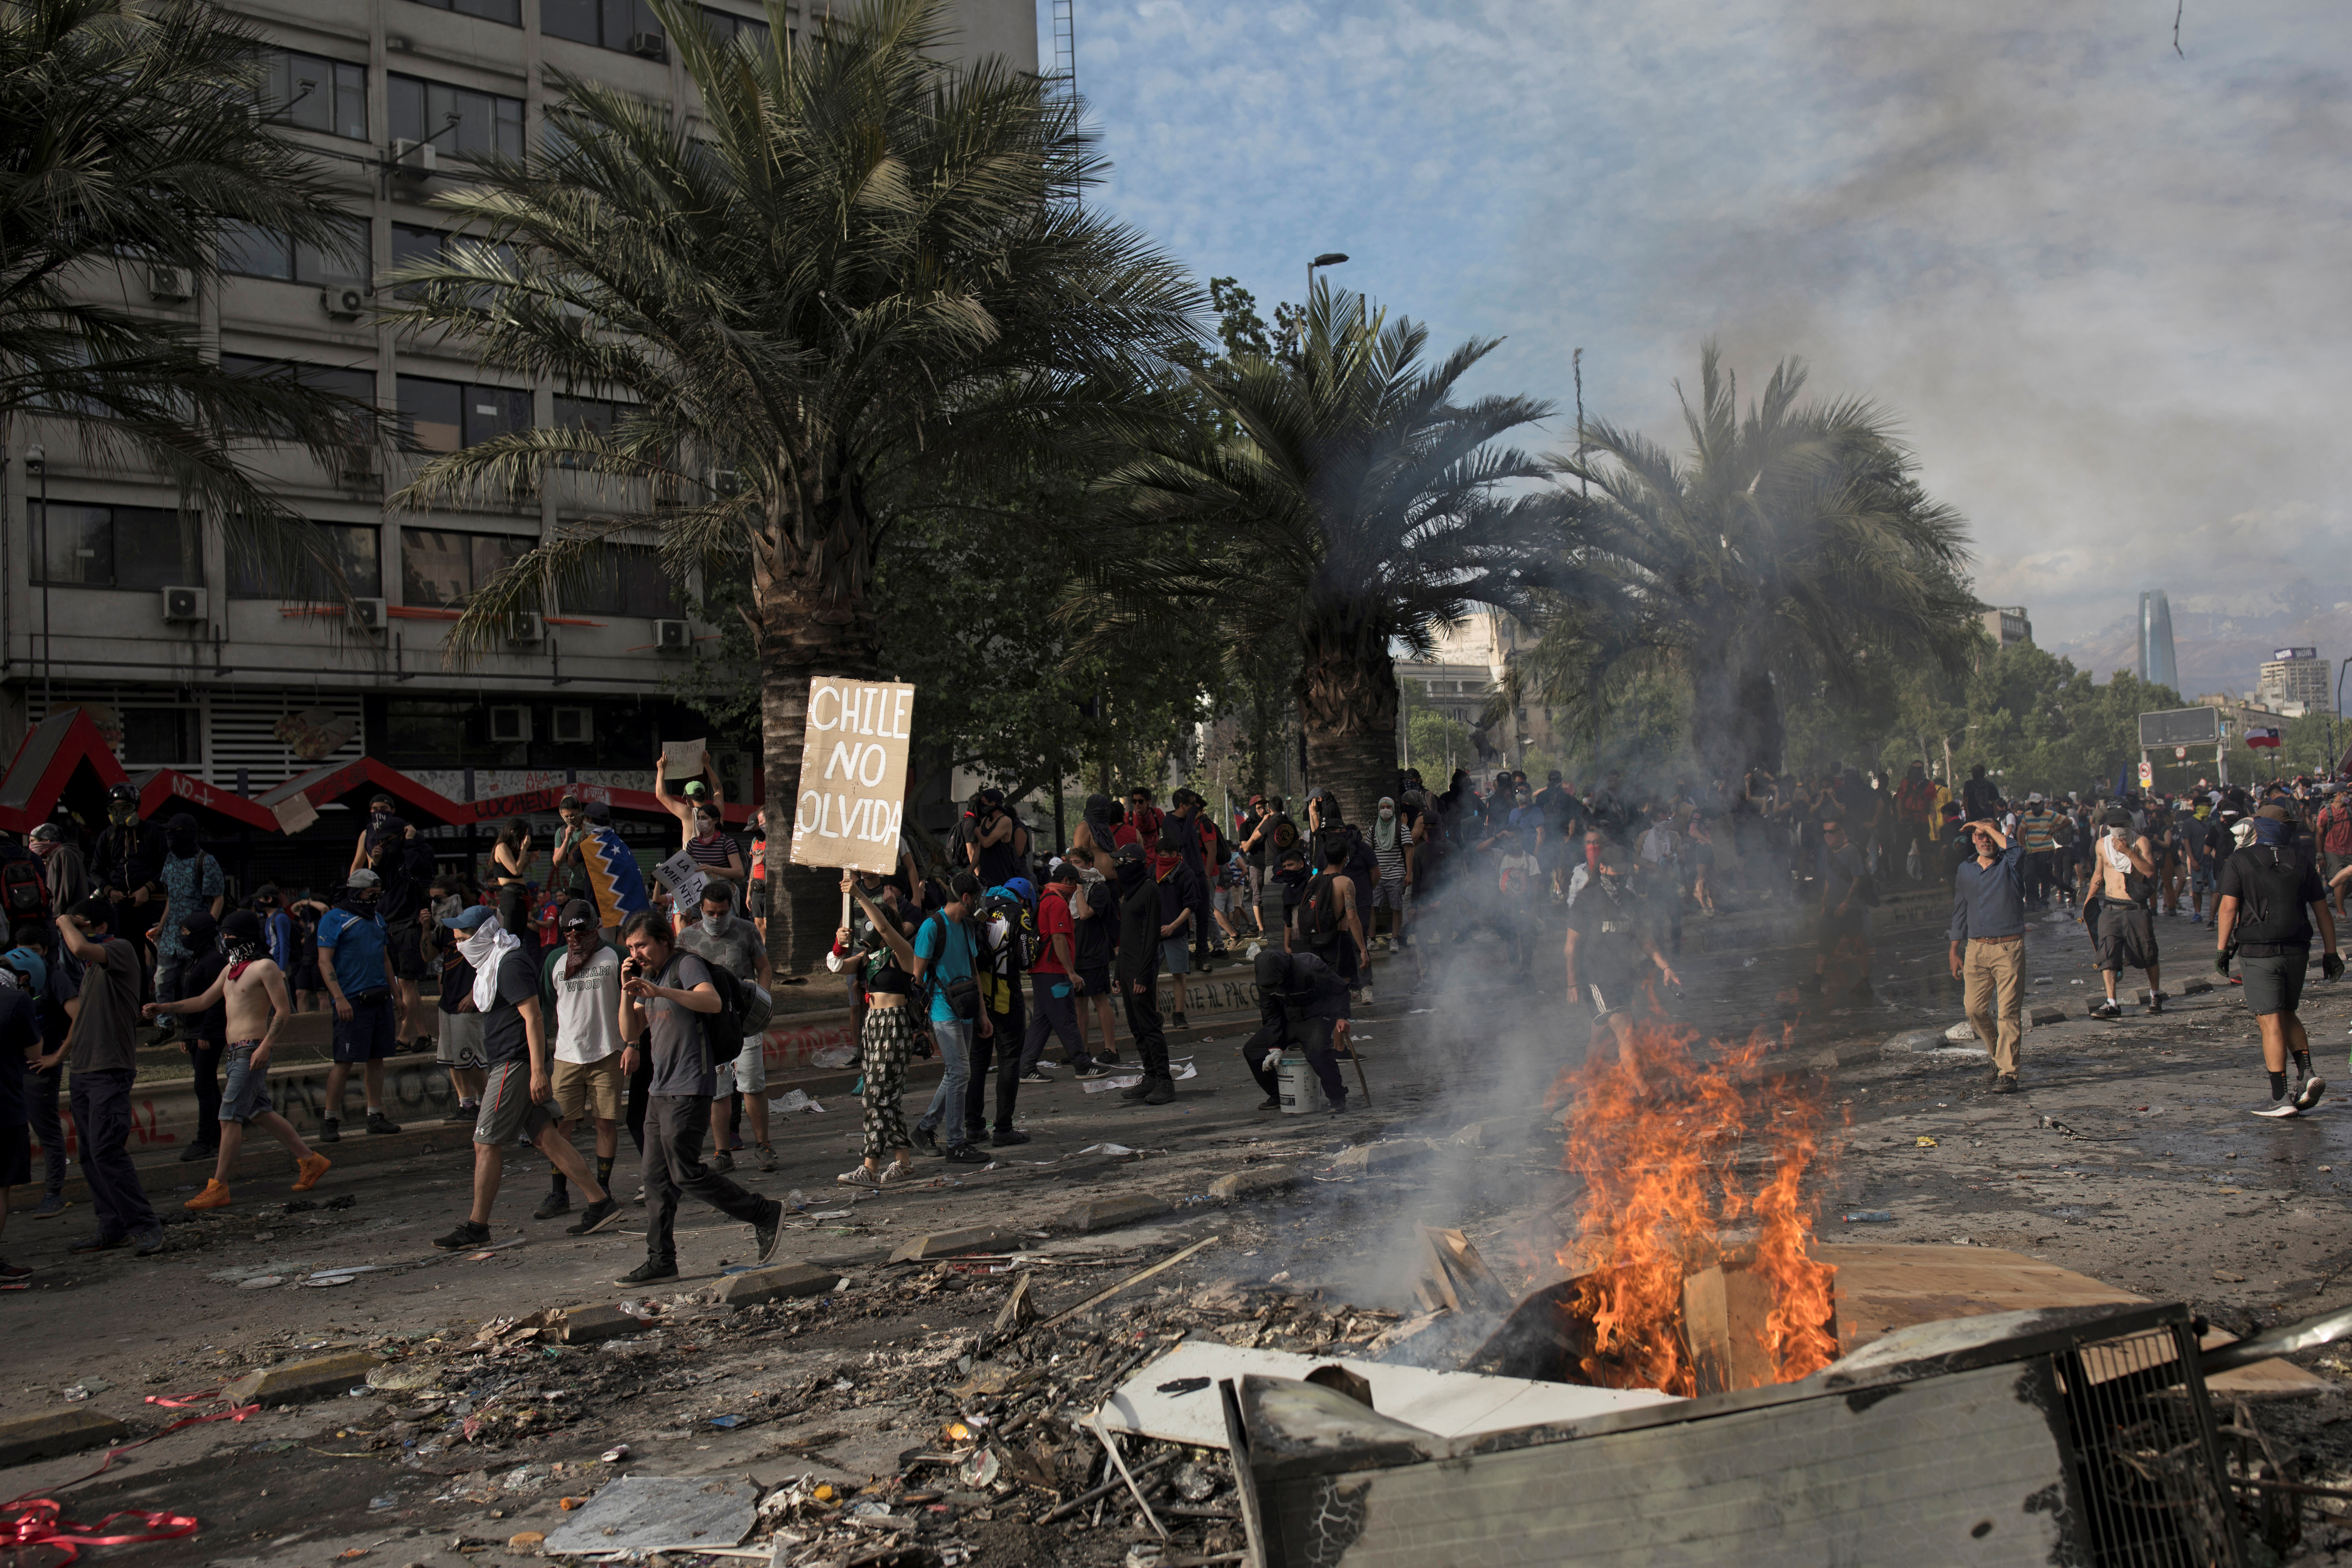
407,959
1093,982
16,1155
2274,983
2127,936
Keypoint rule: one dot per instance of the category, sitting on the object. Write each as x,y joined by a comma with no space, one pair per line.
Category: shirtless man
2120,925
254,990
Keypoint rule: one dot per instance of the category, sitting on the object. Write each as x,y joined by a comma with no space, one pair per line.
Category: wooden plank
2273,1379
1707,1329
1884,1286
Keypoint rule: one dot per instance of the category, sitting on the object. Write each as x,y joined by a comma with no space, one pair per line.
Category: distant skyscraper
2155,664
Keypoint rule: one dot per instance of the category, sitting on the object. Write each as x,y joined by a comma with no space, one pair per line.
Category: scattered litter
261,1282
1869,1216
84,1388
835,1057
794,1103
980,1469
389,1499
727,1423
615,1454
1104,1085
652,1513
1924,1141
322,1281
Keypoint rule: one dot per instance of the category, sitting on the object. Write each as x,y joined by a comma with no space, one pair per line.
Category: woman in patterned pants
886,1040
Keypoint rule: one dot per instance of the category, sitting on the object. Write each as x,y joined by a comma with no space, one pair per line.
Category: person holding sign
699,827
886,1038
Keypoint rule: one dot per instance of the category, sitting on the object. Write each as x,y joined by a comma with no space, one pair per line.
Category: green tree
1359,507
853,279
1790,550
127,147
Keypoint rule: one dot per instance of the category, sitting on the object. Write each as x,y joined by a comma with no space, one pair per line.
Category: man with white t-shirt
582,982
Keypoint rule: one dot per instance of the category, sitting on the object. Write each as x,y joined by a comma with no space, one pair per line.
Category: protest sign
852,789
685,880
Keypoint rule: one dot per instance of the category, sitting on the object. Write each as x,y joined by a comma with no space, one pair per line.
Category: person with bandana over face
1138,972
249,990
2124,865
192,884
356,967
380,810
1609,949
458,1048
1299,1003
724,939
127,867
515,1099
700,829
2270,896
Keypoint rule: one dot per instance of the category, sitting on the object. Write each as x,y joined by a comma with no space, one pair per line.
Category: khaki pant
1995,972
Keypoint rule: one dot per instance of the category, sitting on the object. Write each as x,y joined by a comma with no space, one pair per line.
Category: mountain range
2219,641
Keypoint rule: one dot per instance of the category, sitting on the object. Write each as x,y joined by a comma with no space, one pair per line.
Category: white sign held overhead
852,794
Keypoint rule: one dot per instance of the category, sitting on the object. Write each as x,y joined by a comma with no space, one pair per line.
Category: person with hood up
246,990
1299,1002
1138,972
518,1097
1098,827
192,884
1277,895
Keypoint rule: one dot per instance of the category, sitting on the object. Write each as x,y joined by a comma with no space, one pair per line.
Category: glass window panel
573,19
506,11
494,551
648,590
345,261
354,546
277,83
77,543
583,414
432,417
351,101
436,568
252,252
754,30
509,119
494,411
617,14
158,737
310,105
155,547
404,108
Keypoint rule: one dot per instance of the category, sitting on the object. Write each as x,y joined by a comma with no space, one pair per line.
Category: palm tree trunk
1735,712
1348,701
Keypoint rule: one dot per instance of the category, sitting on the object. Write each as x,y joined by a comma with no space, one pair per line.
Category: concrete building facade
2296,681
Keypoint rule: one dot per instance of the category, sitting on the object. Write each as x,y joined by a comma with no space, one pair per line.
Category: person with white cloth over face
516,1055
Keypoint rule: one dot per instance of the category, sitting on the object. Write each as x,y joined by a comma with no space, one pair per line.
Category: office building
2006,624
2156,662
2295,681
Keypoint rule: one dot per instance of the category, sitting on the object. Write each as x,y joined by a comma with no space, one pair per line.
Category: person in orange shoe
253,989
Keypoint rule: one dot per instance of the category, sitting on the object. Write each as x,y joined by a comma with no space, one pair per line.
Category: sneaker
1035,1077
1163,1091
1181,1021
1092,1070
2107,1009
552,1205
648,1273
307,1173
148,1242
1272,1102
51,1205
770,1231
595,1217
330,1131
767,1157
1008,1137
894,1172
640,1199
464,1111
858,1175
964,1154
1337,1107
12,1272
466,1235
195,1152
2309,1094
2005,1083
101,1242
2156,1001
2283,1106
1107,1058
1138,1091
378,1121
213,1196
926,1140
722,1162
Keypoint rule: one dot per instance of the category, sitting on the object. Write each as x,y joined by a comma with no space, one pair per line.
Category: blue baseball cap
472,917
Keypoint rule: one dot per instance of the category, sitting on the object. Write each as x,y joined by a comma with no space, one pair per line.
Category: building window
310,93
426,111
249,250
443,415
159,737
421,730
117,546
506,11
726,27
346,381
440,569
354,548
625,25
630,582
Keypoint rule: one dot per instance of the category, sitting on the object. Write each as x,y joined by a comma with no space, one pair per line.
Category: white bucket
1302,1091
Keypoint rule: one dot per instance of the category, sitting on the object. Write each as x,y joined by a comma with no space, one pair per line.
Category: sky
2103,286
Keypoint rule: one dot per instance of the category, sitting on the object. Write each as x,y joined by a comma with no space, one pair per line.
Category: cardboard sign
853,794
683,878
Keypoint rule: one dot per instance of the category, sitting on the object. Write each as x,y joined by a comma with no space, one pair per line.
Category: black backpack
724,1029
23,894
1018,949
1318,918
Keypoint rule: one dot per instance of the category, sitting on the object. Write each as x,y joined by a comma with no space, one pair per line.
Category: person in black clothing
1183,833
2266,888
405,865
1980,797
999,845
204,1036
127,870
1607,951
1138,970
1299,1003
57,977
20,1036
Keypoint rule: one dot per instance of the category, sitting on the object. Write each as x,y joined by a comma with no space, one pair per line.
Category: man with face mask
380,809
193,884
700,826
1610,950
356,967
1299,1003
2271,897
725,940
459,1047
127,867
1137,973
581,983
2119,910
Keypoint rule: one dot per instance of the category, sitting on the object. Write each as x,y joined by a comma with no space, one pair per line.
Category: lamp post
1328,259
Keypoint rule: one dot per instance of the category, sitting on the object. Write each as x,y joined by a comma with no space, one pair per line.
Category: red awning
61,758
294,804
167,792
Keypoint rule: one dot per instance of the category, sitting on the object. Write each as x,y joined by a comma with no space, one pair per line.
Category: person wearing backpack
2271,897
1004,936
1329,925
725,941
946,957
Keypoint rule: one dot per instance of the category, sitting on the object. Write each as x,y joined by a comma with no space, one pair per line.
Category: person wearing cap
249,990
581,983
62,866
2271,897
192,882
515,1097
701,828
127,867
2037,824
355,964
1988,940
457,1044
2118,911
105,1064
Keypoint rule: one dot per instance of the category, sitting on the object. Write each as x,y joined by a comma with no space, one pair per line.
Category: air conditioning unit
171,284
575,726
526,626
366,614
650,45
184,603
343,301
414,160
673,637
510,726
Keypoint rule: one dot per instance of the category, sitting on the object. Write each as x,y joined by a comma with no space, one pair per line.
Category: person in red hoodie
1142,824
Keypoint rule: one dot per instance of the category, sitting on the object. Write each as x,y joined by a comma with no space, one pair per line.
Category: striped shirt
2039,827
1391,858
711,849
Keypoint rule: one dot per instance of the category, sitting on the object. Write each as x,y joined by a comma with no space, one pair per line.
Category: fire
1658,1143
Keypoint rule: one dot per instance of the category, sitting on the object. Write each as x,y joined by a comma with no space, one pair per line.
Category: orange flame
1658,1140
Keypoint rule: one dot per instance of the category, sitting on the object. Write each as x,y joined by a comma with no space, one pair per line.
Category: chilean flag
2262,738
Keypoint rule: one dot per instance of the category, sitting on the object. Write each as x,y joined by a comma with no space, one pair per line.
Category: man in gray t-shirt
104,1065
664,996
731,942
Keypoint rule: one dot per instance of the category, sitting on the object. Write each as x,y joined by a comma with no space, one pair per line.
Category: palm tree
128,144
1351,509
853,276
1789,549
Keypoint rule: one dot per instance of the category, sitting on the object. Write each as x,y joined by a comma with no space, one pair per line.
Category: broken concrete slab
2045,1016
1252,1183
1961,1033
1908,1042
2196,985
948,1243
1104,1214
1371,1159
657,1513
299,1382
54,1432
594,1325
779,1283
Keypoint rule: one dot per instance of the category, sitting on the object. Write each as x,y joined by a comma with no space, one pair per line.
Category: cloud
2102,285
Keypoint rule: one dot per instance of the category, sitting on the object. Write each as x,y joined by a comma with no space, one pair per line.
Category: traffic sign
2180,753
2146,774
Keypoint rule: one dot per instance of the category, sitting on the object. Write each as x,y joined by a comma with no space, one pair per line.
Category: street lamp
1328,259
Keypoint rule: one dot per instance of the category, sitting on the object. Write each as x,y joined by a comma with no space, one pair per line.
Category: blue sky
2104,286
